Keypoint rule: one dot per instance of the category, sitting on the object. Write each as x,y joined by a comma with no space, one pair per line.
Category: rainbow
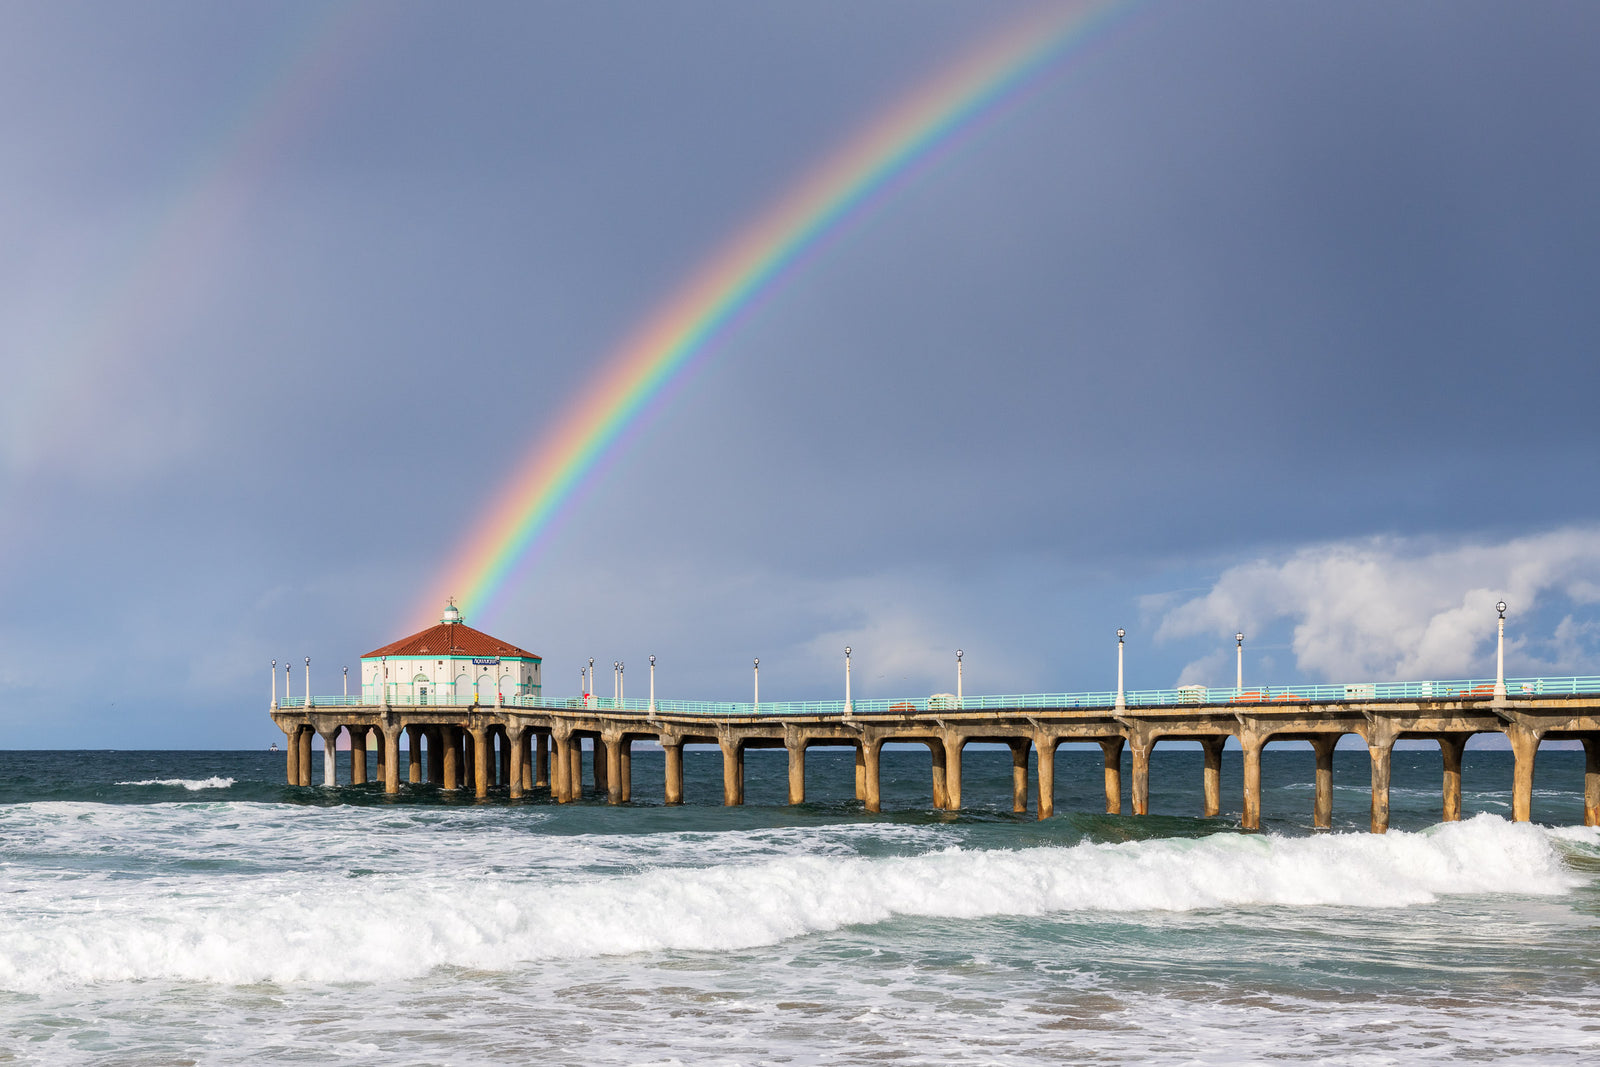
667,343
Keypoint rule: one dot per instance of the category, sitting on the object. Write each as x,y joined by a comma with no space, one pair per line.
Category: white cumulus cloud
1391,607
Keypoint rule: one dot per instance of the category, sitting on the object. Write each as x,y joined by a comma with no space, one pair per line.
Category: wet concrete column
952,772
1252,746
613,757
941,799
1380,748
383,749
450,757
435,754
1452,748
1111,749
1140,747
1047,777
797,773
874,792
527,760
1019,774
861,773
1524,746
732,773
305,755
1591,781
469,758
414,754
1322,802
391,760
505,755
330,758
291,751
625,767
561,768
482,750
541,761
516,749
1211,749
674,760
575,767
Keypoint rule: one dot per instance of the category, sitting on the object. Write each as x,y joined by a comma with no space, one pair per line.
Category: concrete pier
490,748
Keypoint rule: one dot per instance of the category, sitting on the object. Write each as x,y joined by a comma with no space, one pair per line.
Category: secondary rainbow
684,327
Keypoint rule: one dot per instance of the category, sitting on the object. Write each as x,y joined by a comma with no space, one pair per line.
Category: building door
420,684
463,689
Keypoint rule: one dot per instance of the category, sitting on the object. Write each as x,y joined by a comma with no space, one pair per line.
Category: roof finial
451,612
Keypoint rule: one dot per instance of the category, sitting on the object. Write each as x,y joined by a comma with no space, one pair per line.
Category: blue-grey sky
1252,315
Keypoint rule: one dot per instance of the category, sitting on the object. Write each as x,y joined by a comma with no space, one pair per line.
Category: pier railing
1458,689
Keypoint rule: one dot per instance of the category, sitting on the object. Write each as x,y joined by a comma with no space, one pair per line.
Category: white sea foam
290,925
191,784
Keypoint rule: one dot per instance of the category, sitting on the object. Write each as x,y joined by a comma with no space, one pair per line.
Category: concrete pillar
526,746
391,760
450,757
1019,774
674,770
1591,781
330,758
541,761
291,749
1252,745
625,767
1211,748
732,773
1047,777
1380,747
505,755
874,793
941,798
481,752
1452,748
561,768
861,773
414,755
1322,803
305,755
602,769
575,767
470,774
613,761
952,772
1524,746
383,755
435,755
1141,747
797,772
1111,749
516,750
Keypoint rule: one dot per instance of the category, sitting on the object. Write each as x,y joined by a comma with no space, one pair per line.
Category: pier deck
540,745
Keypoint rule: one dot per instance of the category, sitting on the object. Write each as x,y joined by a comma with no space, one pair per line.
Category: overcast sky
1252,315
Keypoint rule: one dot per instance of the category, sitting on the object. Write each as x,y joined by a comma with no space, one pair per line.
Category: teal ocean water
189,908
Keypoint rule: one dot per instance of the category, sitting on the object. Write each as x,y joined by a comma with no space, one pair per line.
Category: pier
527,743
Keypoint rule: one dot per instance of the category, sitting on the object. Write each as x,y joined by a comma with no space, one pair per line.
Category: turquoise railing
1461,689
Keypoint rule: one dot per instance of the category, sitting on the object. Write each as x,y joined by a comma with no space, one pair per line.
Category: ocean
189,908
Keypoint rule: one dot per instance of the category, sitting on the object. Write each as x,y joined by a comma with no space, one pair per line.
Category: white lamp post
652,685
308,681
958,677
588,690
347,680
616,684
622,691
274,683
287,677
1121,700
1238,677
1500,656
756,707
384,699
847,704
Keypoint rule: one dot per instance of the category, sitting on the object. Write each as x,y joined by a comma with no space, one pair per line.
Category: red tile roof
450,639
